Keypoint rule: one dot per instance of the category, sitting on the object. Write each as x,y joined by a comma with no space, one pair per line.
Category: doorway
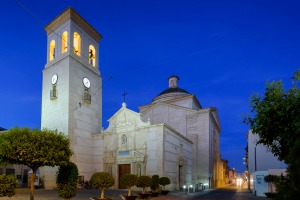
180,178
123,169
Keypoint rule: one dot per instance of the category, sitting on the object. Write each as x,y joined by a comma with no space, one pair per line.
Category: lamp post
184,189
191,186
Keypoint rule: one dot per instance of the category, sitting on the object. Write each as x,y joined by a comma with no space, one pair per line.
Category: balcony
86,97
53,94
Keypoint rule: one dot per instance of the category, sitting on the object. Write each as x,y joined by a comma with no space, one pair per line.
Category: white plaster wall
174,116
98,152
264,159
193,123
260,186
174,147
198,124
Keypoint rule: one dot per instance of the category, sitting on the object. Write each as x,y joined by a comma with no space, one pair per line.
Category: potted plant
270,179
144,182
164,181
102,180
129,180
154,186
66,180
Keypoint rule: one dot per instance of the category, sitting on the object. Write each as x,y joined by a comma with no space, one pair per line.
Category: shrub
7,185
129,180
155,183
144,182
66,180
164,181
272,179
102,180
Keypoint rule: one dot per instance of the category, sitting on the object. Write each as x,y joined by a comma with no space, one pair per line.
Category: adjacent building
261,162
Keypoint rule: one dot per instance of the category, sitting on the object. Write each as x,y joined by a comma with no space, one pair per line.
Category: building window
124,153
77,43
92,55
52,50
10,171
64,42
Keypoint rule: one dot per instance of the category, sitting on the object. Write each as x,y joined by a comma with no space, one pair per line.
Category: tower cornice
71,14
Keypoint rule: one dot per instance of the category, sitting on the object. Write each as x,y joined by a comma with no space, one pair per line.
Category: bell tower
72,89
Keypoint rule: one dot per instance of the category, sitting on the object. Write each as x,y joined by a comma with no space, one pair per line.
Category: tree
34,148
102,180
129,180
144,182
164,181
155,183
275,117
66,180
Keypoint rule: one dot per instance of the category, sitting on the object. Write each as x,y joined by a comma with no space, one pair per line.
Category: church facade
172,136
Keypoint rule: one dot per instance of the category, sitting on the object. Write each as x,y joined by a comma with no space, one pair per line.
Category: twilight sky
223,52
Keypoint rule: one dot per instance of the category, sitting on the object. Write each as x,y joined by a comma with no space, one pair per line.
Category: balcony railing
53,94
87,97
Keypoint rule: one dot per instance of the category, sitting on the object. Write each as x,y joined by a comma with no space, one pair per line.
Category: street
229,192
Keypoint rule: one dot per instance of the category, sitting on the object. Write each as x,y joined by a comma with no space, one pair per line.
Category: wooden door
123,169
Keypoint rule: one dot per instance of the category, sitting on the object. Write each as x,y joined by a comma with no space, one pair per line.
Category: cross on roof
124,95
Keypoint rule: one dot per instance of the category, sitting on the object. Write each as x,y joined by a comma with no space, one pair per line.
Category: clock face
86,82
54,79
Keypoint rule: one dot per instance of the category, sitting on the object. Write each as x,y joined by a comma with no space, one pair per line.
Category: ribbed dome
173,92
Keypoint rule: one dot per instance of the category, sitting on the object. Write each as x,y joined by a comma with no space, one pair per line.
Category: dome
173,92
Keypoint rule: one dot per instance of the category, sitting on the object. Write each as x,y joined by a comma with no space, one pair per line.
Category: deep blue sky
223,52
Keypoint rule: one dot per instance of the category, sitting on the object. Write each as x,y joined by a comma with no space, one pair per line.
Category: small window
10,171
76,43
64,42
52,50
92,55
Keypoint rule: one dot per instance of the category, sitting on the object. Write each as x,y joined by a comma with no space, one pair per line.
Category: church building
172,136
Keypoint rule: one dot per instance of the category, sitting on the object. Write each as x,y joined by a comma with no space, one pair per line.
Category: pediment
124,119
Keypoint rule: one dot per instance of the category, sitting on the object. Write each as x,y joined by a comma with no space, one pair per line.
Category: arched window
64,42
52,50
77,43
92,55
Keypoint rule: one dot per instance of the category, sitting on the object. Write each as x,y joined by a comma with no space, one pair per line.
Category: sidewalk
82,194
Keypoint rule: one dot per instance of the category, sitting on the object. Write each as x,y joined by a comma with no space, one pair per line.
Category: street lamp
184,189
